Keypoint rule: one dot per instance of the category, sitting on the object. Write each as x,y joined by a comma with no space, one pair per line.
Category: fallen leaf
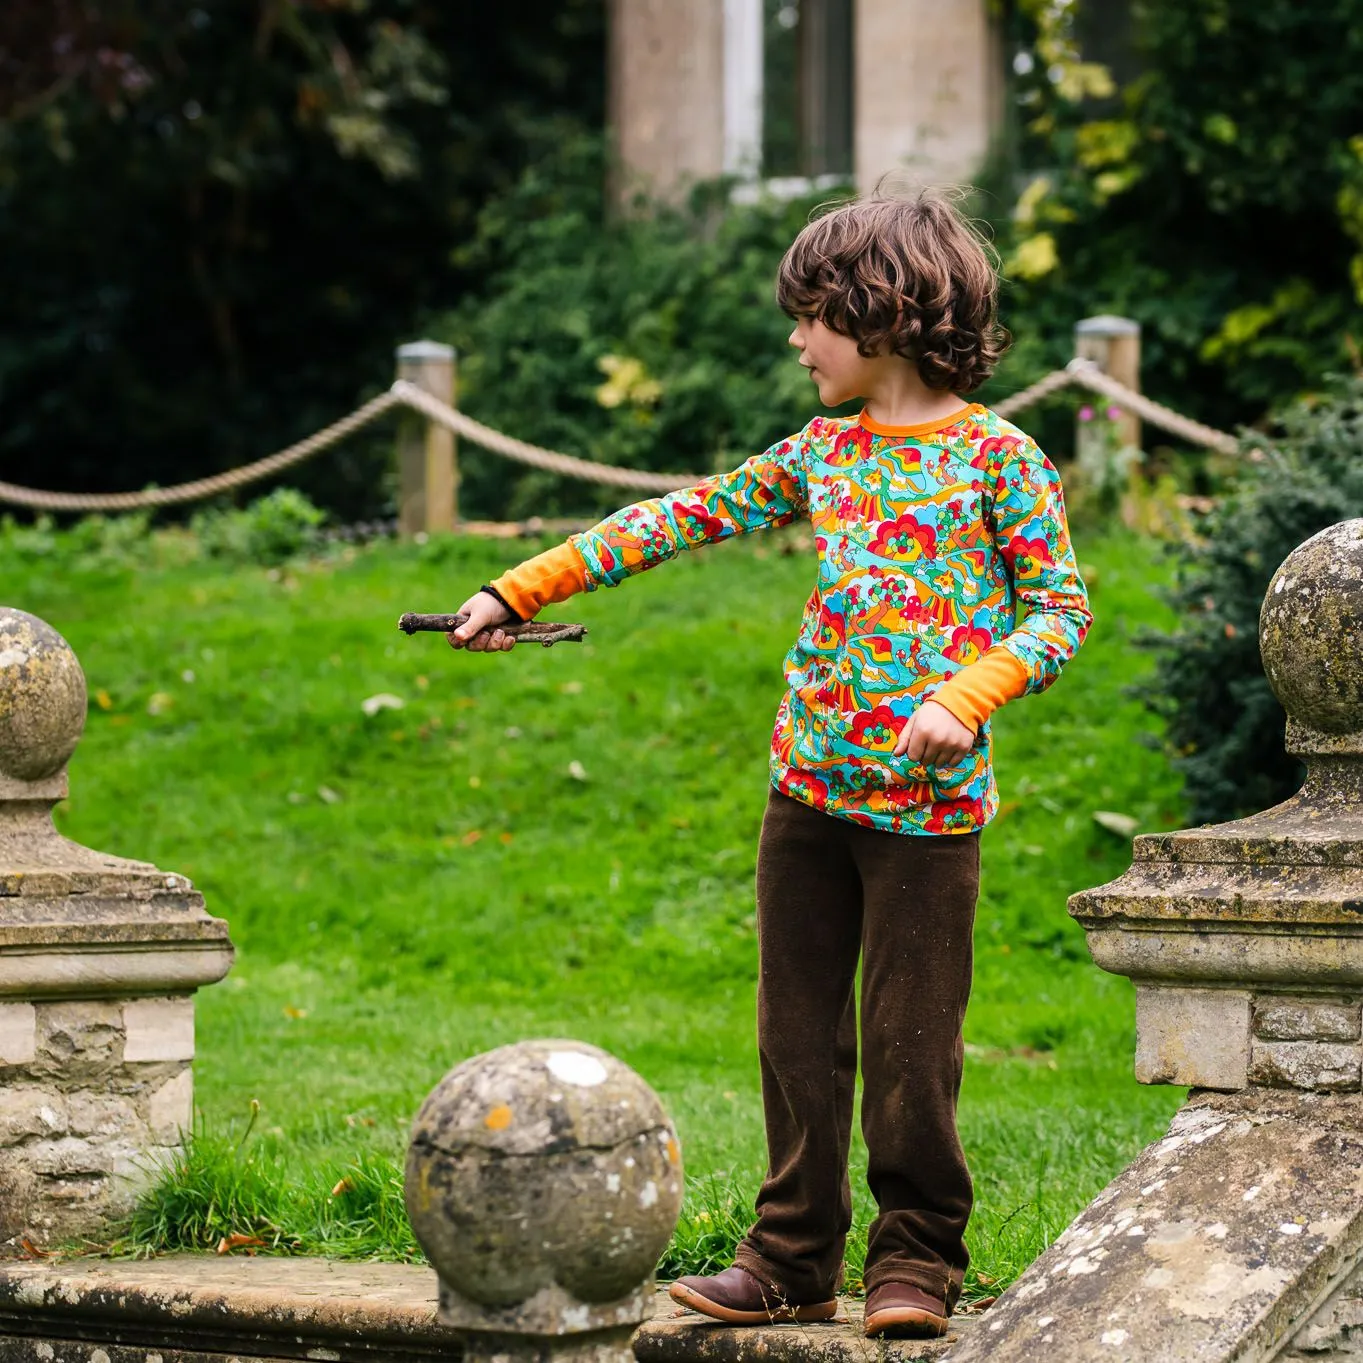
472,836
32,1250
160,702
328,796
570,688
975,1304
1123,825
230,1242
343,1186
384,700
104,700
505,838
291,1012
422,683
577,771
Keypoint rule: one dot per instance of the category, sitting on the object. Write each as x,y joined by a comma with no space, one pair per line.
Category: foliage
650,340
94,543
409,887
272,529
218,218
1224,725
1216,200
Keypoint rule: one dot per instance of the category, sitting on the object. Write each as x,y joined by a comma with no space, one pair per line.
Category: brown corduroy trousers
828,890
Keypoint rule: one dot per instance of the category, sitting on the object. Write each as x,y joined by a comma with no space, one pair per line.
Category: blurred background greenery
217,220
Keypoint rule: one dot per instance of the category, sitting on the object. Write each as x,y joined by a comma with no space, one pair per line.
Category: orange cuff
554,575
975,692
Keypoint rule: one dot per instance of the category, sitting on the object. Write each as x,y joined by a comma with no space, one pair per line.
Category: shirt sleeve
769,489
976,691
554,575
1032,534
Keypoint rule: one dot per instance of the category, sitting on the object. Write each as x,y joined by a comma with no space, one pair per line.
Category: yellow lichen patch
499,1118
673,1153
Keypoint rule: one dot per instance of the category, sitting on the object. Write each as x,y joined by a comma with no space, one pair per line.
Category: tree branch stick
544,632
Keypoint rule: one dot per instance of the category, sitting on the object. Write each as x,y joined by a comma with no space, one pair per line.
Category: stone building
792,91
802,89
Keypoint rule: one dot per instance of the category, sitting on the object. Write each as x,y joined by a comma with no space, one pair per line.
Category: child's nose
795,339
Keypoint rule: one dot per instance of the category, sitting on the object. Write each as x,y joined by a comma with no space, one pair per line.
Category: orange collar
922,428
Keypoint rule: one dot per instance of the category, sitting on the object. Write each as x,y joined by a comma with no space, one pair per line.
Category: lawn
561,843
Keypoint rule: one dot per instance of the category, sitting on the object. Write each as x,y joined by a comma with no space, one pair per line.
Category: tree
218,219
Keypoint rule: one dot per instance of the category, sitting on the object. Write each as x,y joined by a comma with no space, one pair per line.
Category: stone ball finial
544,1181
42,698
1311,631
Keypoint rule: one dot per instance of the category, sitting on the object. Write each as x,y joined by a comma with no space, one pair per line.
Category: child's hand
479,633
935,736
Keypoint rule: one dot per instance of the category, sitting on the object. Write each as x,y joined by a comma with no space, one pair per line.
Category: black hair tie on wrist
502,601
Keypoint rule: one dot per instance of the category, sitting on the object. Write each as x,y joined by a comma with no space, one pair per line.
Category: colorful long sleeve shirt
929,539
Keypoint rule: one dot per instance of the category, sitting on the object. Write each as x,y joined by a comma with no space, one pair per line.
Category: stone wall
1307,1044
96,1092
1334,1334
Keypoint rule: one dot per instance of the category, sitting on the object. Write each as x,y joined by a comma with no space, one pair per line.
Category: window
807,89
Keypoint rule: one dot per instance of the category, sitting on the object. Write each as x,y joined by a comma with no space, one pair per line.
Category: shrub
270,530
92,544
651,340
1217,197
1224,725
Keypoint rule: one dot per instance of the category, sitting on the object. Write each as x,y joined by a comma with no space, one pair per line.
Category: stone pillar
99,959
544,1181
1240,1234
667,93
928,81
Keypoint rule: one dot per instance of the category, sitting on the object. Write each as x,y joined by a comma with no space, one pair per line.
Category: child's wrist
502,601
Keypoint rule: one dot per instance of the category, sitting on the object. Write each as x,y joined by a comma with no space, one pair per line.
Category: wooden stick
544,632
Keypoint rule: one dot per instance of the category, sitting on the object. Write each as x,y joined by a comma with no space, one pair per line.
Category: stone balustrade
1240,1233
99,958
544,1181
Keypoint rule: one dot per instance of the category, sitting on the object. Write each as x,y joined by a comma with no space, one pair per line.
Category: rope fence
1080,372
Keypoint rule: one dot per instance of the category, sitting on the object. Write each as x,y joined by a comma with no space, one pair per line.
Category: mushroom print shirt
945,571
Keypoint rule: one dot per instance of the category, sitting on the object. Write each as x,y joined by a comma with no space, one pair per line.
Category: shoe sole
906,1322
778,1315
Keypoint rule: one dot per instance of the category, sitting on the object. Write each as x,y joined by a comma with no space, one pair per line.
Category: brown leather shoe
902,1311
737,1298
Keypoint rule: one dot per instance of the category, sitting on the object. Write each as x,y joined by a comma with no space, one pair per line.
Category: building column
928,82
668,94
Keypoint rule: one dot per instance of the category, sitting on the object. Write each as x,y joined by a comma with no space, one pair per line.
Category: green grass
410,888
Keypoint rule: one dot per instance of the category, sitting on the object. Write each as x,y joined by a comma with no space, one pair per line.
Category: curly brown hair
910,276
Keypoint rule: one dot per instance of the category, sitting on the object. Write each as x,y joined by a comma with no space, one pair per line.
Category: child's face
839,371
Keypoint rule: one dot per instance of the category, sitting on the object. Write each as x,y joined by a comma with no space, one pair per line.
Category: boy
933,518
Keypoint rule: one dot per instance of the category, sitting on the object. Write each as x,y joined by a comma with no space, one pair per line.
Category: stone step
202,1309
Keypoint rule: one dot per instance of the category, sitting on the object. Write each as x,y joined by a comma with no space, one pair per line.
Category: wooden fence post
1114,345
428,472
